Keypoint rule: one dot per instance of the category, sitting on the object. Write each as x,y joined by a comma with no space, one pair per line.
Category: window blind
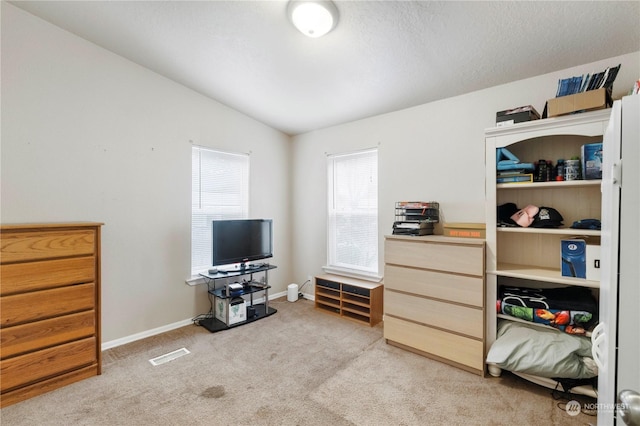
219,190
353,211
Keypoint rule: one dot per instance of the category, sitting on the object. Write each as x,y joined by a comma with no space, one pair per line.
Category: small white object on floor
292,292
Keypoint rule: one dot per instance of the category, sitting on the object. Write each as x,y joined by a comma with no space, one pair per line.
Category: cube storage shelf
349,298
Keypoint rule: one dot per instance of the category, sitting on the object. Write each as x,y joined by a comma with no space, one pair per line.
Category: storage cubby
350,298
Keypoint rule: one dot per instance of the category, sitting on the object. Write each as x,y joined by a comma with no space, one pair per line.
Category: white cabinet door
628,372
604,338
619,290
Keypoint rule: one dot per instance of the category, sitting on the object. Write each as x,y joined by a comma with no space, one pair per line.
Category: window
353,212
219,190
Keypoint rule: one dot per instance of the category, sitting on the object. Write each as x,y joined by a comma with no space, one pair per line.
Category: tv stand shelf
250,287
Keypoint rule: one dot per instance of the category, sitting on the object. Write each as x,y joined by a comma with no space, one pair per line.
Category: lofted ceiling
383,56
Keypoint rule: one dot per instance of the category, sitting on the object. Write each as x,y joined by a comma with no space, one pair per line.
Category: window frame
334,264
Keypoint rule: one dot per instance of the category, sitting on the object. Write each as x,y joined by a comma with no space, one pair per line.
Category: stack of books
510,169
586,82
514,177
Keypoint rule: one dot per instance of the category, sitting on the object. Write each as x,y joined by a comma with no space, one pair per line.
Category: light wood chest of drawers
49,307
434,297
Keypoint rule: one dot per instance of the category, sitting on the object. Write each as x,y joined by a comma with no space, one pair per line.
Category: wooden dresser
49,307
434,298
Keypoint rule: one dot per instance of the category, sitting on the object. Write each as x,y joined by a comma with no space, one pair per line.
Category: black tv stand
221,294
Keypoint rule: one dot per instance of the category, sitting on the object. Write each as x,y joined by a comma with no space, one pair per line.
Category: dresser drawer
24,277
41,364
38,245
46,333
448,316
456,288
22,308
453,347
456,258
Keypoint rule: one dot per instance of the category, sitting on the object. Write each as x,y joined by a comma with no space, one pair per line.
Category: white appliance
616,340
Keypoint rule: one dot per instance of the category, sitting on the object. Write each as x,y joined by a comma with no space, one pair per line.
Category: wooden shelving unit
530,257
350,298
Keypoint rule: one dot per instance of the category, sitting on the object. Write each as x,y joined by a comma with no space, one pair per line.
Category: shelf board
333,296
532,272
554,231
328,303
552,184
363,313
355,302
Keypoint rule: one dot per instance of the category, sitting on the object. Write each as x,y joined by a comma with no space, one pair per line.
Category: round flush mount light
313,18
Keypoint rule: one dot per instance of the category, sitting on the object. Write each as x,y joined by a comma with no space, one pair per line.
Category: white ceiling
383,56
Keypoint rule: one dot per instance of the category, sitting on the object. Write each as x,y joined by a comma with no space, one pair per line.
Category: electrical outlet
309,278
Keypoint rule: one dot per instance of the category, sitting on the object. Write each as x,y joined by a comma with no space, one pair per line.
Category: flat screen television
241,241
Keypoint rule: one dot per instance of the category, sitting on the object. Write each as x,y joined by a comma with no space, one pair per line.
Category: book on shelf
586,82
515,178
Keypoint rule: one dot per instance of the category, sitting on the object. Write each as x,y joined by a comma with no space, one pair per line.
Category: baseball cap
504,213
547,217
525,216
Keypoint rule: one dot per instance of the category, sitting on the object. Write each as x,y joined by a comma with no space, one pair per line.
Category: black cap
547,217
505,211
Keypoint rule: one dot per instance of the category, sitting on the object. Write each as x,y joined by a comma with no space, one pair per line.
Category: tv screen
241,241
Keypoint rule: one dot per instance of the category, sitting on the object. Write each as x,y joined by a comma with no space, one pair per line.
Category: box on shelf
585,101
237,310
591,161
516,115
465,230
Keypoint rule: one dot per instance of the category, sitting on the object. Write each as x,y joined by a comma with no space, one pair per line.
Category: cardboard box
591,155
574,258
593,262
585,101
237,310
465,230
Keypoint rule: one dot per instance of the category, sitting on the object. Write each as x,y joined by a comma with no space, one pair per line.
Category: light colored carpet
297,367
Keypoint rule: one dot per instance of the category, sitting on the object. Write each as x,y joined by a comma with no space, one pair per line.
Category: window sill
194,280
367,276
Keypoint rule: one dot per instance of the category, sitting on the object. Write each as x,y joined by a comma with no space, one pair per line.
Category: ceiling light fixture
313,18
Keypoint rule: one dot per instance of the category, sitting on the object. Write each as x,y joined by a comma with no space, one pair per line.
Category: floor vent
162,359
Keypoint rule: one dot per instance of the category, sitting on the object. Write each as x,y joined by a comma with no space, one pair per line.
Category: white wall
432,152
90,136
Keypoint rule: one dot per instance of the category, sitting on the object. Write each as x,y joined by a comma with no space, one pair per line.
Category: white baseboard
142,335
159,330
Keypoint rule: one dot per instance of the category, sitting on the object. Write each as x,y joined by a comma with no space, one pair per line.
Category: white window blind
353,212
219,190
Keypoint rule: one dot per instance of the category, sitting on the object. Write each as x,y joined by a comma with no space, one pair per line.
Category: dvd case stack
416,217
